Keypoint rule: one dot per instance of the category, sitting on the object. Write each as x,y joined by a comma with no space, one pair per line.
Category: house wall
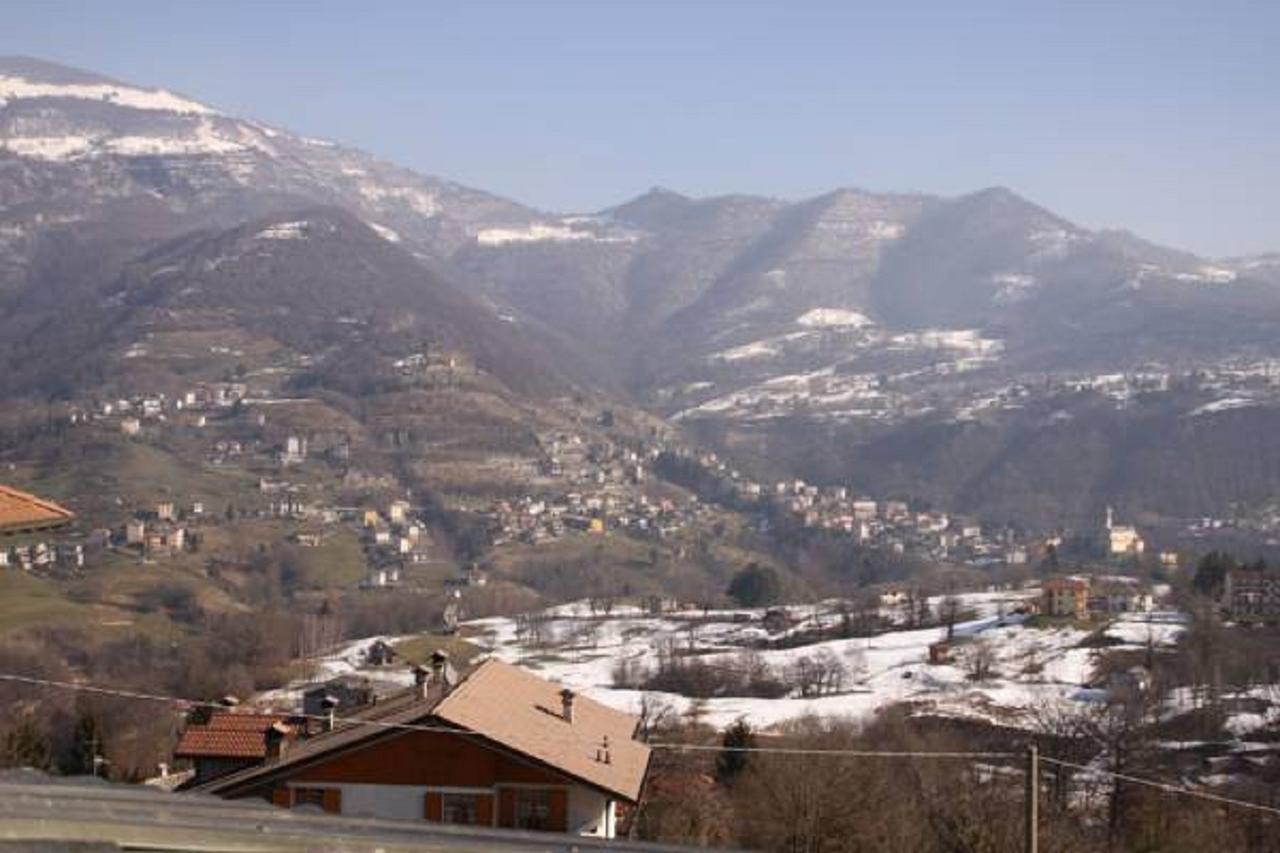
392,779
428,758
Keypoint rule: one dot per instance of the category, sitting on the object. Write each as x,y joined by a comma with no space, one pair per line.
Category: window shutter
506,807
433,806
332,800
282,797
484,810
558,819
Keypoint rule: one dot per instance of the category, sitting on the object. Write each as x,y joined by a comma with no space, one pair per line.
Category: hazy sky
1160,117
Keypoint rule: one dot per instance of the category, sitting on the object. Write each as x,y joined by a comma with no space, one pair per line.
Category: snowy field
1032,667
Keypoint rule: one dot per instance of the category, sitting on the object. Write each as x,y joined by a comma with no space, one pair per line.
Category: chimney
440,669
329,704
566,704
421,680
275,737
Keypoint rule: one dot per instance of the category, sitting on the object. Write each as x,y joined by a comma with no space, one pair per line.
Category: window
308,797
460,808
533,809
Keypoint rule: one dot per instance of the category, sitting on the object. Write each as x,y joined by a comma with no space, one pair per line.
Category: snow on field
347,659
1033,666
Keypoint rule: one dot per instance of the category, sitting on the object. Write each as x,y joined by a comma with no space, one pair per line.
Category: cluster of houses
891,524
393,539
533,520
586,487
162,532
568,456
132,414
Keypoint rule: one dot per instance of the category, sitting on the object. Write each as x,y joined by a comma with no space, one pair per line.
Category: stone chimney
421,680
566,704
276,739
329,704
440,669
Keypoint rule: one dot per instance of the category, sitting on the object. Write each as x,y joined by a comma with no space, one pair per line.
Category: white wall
590,812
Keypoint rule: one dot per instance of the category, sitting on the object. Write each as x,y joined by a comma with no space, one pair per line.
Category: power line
675,747
418,727
853,753
1165,786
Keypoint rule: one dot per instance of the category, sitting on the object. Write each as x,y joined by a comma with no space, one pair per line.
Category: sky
1158,117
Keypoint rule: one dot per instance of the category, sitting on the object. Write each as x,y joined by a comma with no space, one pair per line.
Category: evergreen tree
731,763
755,586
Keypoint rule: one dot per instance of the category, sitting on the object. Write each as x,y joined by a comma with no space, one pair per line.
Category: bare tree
980,659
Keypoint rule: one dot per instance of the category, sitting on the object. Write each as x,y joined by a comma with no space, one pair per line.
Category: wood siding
428,759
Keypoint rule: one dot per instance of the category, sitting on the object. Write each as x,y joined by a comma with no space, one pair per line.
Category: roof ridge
38,501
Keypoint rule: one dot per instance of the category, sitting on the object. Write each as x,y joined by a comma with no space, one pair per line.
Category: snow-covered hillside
1033,667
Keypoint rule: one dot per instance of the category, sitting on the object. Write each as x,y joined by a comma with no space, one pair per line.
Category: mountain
86,150
317,283
855,319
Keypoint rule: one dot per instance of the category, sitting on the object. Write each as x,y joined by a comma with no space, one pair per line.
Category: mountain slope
317,282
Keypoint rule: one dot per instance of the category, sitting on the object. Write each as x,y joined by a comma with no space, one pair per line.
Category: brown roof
227,735
21,511
522,712
502,704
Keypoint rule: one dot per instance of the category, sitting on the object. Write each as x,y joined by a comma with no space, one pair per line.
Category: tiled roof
522,712
504,704
227,735
21,511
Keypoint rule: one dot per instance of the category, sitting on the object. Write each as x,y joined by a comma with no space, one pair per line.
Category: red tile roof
228,735
22,511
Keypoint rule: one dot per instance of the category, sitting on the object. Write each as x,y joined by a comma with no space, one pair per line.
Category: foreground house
501,748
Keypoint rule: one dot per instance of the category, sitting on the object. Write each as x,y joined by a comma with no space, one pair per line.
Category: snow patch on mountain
833,317
421,202
568,230
1207,275
385,233
20,88
1226,404
49,148
961,340
285,231
1012,286
203,138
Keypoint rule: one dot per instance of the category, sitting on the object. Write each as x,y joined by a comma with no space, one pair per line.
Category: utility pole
1033,799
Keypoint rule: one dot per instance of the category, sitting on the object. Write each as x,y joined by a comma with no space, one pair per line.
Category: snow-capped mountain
851,309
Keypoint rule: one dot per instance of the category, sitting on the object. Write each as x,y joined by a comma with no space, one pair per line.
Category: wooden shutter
332,800
433,806
484,810
506,807
558,819
282,797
